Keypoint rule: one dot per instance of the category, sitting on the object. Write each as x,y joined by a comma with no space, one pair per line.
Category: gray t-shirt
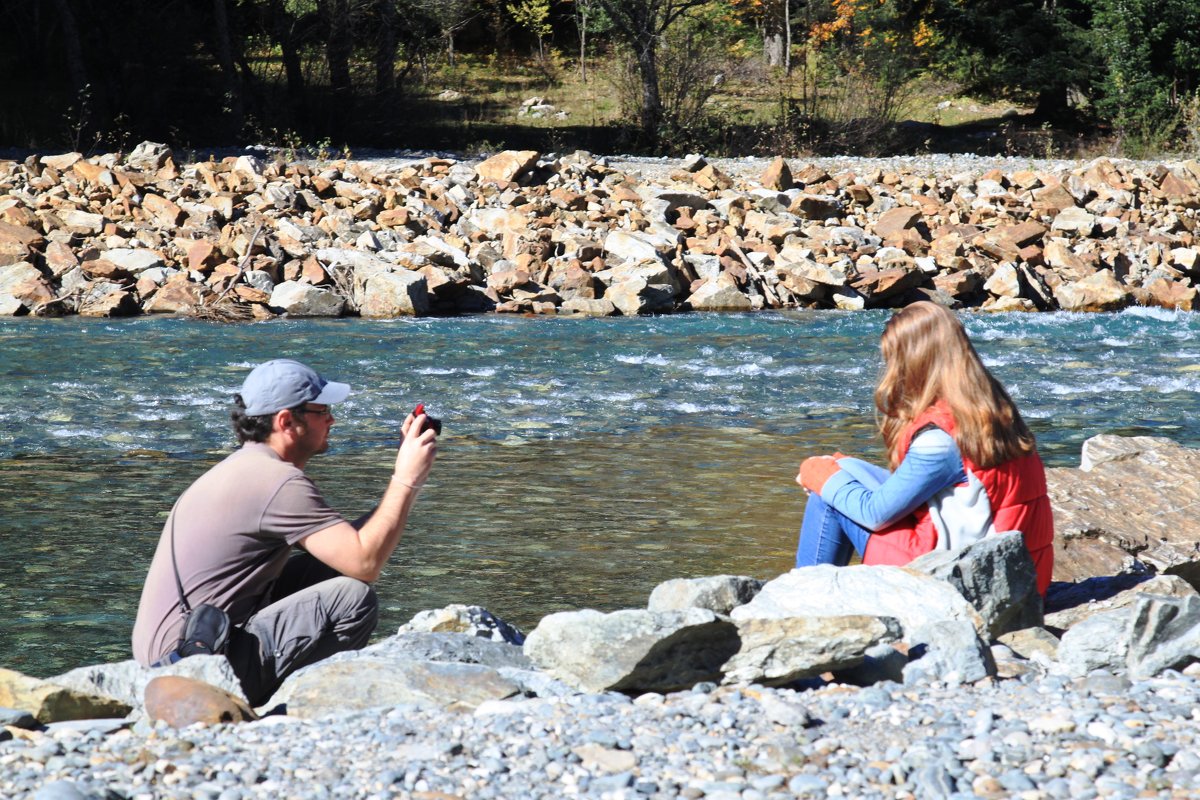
234,528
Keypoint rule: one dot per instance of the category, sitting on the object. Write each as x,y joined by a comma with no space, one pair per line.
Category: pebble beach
1048,737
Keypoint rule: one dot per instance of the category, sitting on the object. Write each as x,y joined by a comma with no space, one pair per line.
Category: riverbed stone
180,702
125,682
1099,642
1164,634
1070,603
48,701
507,166
718,593
913,598
1130,505
721,294
465,619
335,687
298,299
394,294
996,575
954,653
633,650
778,651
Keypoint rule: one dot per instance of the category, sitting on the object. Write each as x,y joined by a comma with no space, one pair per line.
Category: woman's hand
815,471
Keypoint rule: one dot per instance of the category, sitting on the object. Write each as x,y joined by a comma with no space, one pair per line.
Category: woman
964,463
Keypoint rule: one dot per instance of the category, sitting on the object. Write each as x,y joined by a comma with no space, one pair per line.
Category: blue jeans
826,534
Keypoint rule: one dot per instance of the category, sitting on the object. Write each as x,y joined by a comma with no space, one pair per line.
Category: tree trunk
651,101
338,45
282,29
773,48
385,49
229,73
583,45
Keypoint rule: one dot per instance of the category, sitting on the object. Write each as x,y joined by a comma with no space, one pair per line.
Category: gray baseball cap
284,383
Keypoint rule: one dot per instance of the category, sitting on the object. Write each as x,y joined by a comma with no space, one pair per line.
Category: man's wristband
418,487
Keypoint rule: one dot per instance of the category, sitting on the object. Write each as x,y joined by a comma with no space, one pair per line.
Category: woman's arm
932,464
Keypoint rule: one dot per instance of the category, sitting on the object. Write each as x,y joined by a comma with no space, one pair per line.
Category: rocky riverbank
948,678
241,238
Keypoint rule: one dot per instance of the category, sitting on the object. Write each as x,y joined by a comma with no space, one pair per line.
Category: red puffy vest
1016,491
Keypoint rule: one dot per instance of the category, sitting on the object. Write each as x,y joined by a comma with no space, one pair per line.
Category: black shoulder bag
205,627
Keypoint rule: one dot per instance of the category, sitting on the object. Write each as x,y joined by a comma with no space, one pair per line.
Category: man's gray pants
315,613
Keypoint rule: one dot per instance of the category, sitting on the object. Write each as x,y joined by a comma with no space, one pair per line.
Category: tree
641,24
533,16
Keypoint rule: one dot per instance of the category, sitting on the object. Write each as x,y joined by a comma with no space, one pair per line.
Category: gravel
1030,738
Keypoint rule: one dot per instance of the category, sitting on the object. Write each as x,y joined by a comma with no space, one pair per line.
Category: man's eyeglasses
319,411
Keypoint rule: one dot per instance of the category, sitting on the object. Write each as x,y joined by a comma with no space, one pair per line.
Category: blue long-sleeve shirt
874,498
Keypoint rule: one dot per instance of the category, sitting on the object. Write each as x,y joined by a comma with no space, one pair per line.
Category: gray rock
471,620
299,299
637,246
880,663
17,718
1164,633
62,790
402,293
1099,642
125,681
633,650
913,598
335,687
1069,603
148,156
718,593
1032,643
134,260
954,653
588,308
996,575
778,651
721,294
637,296
462,648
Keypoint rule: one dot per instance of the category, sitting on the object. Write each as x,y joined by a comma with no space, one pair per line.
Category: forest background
1045,78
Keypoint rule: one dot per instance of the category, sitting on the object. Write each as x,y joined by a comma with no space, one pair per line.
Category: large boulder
298,299
49,702
507,166
778,651
721,294
996,575
1131,502
403,293
1099,292
1068,604
633,650
636,296
335,687
125,682
913,598
1164,633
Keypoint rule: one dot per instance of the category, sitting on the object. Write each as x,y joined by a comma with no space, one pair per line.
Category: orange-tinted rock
118,303
202,255
508,166
181,701
895,220
778,176
102,268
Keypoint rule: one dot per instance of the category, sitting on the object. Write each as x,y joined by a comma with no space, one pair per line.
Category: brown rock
881,285
202,255
312,272
176,295
1023,234
778,176
896,220
508,166
118,303
1131,497
166,213
1179,191
102,268
22,235
1050,200
1099,292
181,701
60,259
959,284
1170,294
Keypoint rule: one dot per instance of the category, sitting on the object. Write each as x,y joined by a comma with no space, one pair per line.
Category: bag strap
187,609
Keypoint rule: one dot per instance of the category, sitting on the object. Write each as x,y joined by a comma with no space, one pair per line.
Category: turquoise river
582,462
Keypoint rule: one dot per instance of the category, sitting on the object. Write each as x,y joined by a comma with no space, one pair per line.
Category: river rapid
582,461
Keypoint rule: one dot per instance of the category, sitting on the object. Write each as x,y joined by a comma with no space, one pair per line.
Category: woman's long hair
926,358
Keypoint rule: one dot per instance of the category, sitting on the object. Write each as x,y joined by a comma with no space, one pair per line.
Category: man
233,531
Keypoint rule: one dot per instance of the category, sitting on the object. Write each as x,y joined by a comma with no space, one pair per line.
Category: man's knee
353,604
